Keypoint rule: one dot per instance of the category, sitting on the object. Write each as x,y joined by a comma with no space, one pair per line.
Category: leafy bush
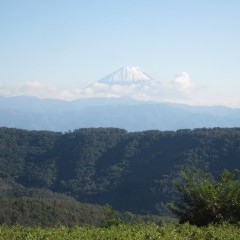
205,200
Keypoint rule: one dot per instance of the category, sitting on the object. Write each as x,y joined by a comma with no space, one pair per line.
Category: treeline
132,171
41,207
49,212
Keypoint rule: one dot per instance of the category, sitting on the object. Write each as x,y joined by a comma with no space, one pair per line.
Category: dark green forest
131,171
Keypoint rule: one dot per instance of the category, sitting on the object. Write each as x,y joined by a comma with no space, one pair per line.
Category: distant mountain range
58,115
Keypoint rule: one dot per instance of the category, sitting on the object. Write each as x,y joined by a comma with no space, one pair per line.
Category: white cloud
181,90
152,90
182,82
37,89
34,85
145,91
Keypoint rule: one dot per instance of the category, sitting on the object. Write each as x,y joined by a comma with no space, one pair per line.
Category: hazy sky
56,48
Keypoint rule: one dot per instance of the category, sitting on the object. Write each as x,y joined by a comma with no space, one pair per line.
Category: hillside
130,171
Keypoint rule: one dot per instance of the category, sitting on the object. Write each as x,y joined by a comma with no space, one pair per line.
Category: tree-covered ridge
132,171
42,207
30,211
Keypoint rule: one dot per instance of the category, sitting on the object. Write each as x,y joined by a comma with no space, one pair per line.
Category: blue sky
55,48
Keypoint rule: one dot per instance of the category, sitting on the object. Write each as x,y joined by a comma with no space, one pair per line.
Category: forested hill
130,171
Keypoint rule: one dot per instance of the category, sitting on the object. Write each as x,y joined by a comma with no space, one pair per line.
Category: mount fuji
123,111
126,75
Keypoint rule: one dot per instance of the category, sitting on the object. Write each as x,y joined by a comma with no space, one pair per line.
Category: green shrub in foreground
207,200
123,232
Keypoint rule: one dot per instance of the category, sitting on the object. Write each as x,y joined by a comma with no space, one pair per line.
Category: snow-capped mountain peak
126,75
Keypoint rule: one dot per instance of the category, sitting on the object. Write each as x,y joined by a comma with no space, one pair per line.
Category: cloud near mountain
37,89
182,82
135,83
126,82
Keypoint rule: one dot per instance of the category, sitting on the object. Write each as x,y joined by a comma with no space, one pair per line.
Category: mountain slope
131,171
126,75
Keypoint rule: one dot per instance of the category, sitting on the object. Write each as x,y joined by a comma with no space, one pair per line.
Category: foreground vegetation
206,200
124,232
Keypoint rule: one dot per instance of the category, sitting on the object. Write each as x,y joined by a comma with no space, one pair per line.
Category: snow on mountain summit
126,75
